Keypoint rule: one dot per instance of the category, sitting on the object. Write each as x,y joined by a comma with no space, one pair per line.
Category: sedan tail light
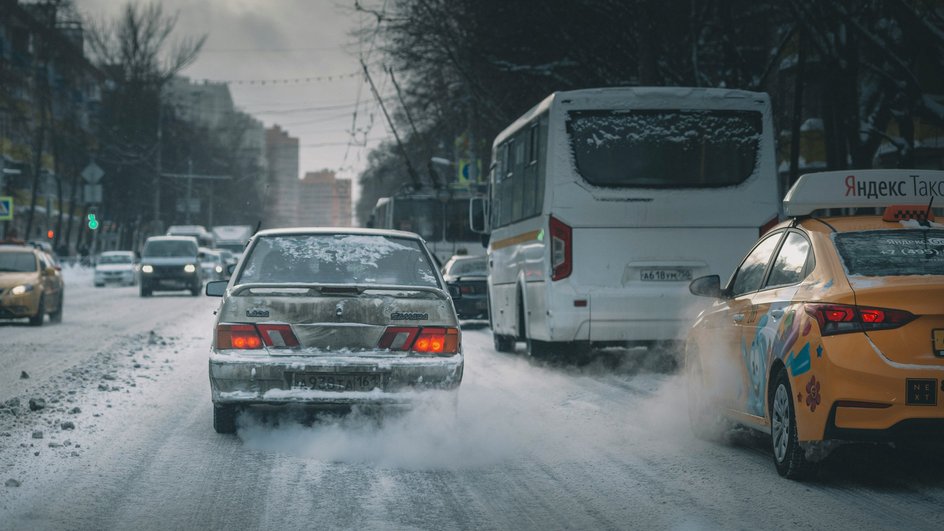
421,340
238,336
250,336
844,318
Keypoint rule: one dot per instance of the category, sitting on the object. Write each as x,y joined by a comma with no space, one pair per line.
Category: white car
116,267
211,262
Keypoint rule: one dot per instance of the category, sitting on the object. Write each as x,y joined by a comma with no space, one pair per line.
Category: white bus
604,203
442,220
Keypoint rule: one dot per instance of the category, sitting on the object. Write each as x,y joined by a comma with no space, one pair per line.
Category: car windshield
17,262
338,259
468,267
665,149
883,253
115,259
169,248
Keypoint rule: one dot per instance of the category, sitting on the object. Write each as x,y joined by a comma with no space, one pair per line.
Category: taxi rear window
884,253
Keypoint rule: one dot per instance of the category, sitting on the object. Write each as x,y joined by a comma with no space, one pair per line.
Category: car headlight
190,268
147,269
219,269
21,289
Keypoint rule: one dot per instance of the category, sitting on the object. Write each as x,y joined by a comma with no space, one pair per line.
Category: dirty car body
332,319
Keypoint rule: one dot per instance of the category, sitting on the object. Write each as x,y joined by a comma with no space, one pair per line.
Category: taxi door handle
738,317
776,314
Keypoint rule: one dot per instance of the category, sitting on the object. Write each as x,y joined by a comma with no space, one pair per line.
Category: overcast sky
268,40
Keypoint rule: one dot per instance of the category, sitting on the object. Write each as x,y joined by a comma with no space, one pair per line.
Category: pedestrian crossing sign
6,208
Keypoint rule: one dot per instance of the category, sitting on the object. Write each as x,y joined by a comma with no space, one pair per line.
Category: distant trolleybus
442,221
604,203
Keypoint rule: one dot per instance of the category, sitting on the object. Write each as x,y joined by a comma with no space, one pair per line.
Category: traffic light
50,234
92,222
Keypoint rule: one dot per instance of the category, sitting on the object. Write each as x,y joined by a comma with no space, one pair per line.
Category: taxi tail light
562,252
278,335
421,340
843,318
237,336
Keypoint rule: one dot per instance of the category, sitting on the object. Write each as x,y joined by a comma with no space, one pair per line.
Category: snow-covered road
127,443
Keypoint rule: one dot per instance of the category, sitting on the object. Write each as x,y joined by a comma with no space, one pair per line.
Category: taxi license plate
921,392
938,338
661,275
336,381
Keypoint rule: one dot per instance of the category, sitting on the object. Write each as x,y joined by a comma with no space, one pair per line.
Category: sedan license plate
938,339
921,392
319,381
661,275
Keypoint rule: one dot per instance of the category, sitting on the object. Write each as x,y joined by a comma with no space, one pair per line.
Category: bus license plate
660,275
938,337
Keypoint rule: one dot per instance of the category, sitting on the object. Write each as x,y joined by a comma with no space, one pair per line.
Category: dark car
171,263
469,274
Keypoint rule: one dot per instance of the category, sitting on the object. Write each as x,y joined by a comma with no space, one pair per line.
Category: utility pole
157,228
189,188
409,166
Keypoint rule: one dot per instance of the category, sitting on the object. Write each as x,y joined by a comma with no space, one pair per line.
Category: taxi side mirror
216,288
49,271
709,286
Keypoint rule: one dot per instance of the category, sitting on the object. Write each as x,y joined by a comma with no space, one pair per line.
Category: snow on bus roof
863,188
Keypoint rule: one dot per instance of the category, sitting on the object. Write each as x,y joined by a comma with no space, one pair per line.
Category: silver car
332,318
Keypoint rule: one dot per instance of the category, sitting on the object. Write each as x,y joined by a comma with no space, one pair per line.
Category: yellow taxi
831,329
30,284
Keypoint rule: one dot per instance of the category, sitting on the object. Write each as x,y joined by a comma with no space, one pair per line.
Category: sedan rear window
338,259
881,253
17,262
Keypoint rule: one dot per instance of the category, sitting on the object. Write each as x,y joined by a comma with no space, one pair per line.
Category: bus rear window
892,252
665,148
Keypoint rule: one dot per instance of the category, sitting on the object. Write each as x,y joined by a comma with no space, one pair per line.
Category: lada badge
257,312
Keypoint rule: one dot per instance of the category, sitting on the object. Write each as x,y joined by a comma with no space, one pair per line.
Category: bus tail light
562,258
843,318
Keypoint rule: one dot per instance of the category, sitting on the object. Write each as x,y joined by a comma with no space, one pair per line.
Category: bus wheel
503,343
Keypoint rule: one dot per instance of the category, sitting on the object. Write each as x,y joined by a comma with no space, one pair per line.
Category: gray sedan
332,318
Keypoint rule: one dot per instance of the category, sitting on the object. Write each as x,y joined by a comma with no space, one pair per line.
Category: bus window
422,216
665,148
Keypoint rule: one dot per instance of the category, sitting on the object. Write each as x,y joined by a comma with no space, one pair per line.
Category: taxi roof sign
863,188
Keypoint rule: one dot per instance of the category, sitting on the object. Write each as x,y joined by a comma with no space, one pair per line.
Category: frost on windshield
665,148
892,252
338,259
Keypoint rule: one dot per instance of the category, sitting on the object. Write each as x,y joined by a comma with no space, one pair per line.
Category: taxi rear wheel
789,457
224,418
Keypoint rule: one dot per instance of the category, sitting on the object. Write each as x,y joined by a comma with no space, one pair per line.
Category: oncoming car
30,284
332,318
116,267
831,330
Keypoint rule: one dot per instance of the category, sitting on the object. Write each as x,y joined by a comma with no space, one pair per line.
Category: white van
604,203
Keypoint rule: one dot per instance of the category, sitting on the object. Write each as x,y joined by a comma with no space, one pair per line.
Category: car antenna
926,222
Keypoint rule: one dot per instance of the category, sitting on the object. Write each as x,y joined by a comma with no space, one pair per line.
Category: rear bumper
247,380
469,307
864,395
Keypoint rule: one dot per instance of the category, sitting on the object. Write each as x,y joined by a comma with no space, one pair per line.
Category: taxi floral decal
812,393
